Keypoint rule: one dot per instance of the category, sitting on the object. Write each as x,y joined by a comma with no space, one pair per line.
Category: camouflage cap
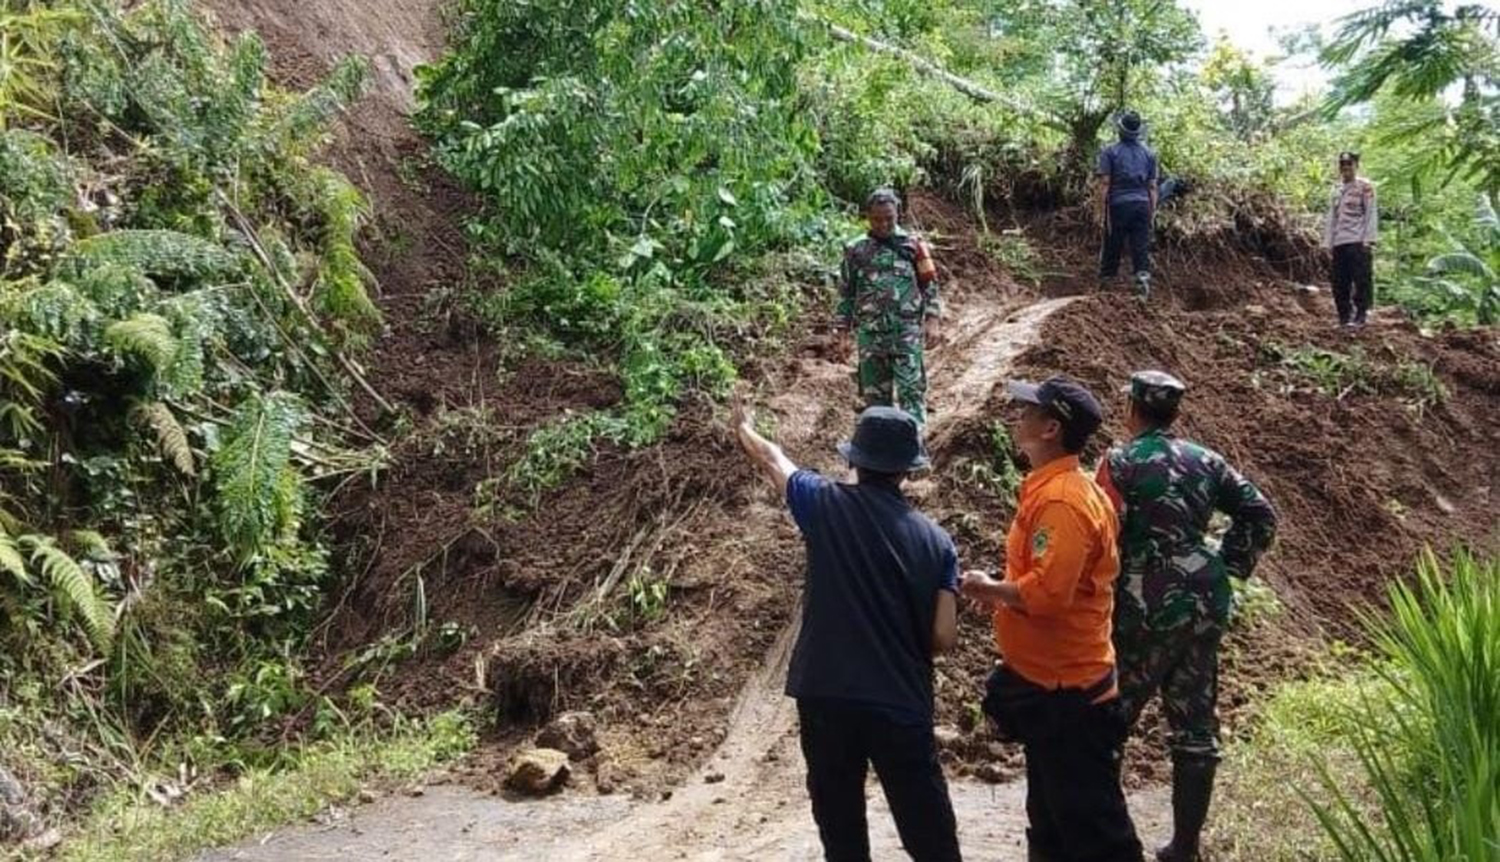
883,195
1156,389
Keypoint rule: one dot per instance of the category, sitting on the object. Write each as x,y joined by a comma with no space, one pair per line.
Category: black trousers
840,741
1073,747
1353,279
1129,221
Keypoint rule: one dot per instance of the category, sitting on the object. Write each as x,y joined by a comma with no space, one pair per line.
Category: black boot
1192,787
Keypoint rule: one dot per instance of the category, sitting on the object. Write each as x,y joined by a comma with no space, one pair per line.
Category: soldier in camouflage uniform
1173,597
888,298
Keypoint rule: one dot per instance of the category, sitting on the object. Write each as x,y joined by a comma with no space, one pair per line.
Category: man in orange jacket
1055,690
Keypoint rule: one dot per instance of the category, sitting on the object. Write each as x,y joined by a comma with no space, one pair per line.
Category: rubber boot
1192,788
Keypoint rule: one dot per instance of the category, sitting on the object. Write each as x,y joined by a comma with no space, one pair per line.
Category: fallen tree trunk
927,67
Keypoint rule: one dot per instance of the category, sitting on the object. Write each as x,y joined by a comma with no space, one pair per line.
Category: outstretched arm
768,458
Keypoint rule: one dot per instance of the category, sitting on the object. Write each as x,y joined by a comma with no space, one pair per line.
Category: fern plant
256,485
164,255
339,290
70,585
145,336
171,439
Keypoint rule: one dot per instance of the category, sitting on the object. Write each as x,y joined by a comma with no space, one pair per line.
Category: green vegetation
178,294
664,187
629,153
1431,760
998,473
1406,745
1339,375
125,828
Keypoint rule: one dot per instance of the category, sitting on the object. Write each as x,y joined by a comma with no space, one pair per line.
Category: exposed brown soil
1362,482
541,597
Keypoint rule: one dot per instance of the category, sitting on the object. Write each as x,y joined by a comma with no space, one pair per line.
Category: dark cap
886,440
1348,156
1129,121
1067,399
1156,389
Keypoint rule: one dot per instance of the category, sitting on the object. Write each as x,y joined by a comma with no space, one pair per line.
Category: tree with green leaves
1428,50
1095,57
1466,279
1243,88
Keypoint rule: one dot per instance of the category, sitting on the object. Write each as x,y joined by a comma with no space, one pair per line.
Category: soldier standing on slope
1173,597
888,298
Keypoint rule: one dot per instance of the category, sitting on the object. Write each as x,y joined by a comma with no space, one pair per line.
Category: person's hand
932,331
979,588
739,415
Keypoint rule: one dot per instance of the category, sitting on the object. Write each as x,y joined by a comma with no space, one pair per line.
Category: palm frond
170,437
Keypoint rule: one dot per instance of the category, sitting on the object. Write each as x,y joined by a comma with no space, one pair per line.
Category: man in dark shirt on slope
879,601
1128,175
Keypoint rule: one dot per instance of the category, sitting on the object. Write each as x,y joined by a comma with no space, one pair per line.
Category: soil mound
649,587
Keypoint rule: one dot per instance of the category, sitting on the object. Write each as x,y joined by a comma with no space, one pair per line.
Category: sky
1249,24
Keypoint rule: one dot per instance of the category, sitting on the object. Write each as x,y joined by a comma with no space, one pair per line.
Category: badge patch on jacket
1039,541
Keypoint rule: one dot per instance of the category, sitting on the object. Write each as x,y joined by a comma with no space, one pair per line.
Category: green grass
127,827
1263,770
1430,752
1339,375
1393,757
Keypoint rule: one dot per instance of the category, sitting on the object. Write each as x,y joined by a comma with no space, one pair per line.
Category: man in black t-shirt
879,601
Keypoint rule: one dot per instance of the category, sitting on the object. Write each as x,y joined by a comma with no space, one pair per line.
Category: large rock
573,733
948,737
17,821
538,771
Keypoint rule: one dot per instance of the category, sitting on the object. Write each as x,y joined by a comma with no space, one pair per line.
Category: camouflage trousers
892,372
1182,663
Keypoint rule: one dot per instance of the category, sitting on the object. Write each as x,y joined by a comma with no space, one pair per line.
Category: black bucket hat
886,440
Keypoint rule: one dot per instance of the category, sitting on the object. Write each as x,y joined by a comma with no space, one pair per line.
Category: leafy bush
629,152
175,275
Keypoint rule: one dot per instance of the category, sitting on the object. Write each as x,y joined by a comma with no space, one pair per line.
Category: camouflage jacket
1166,490
887,286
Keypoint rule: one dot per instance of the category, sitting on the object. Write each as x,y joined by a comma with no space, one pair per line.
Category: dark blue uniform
1131,169
862,667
